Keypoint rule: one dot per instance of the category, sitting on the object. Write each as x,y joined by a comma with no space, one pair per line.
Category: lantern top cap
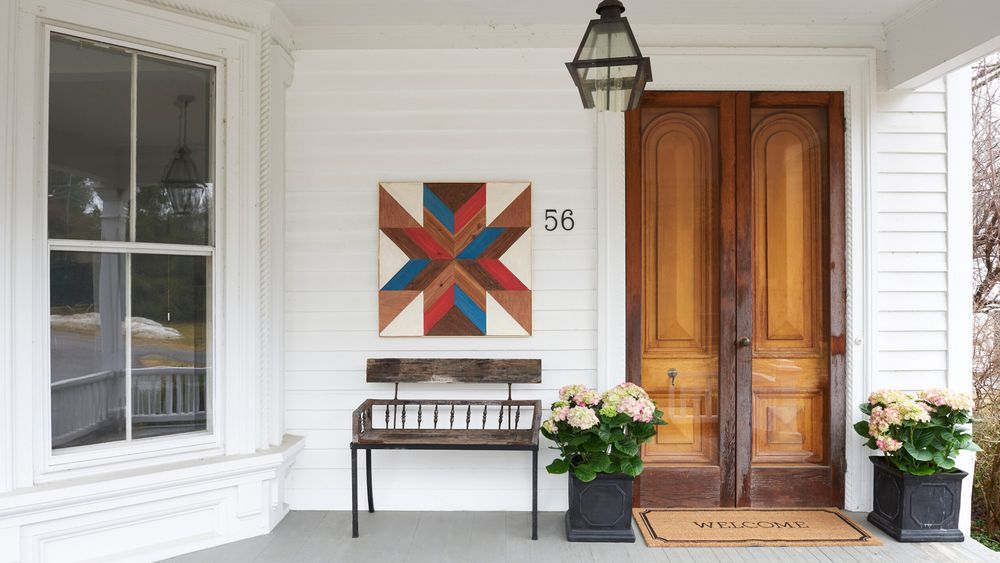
610,9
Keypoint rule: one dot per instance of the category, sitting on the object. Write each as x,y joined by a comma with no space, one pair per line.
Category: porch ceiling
570,12
920,40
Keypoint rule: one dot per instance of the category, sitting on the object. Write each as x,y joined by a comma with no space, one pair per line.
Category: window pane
87,331
174,152
90,104
170,304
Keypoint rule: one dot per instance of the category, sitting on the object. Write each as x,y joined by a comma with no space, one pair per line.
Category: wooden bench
428,424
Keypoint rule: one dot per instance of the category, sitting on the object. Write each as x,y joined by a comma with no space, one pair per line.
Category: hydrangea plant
600,433
920,434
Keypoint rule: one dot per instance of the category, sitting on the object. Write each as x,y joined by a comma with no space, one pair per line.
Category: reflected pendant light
184,186
608,69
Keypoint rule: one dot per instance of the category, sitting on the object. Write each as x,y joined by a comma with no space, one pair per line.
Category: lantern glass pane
608,40
608,88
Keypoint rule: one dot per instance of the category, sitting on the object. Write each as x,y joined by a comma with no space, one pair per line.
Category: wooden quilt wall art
454,259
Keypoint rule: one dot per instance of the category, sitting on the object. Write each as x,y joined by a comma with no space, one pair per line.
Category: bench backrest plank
453,370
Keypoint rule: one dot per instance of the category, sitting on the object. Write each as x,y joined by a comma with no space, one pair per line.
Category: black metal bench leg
534,494
368,477
354,492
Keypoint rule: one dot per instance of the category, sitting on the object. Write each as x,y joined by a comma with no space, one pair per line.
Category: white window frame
234,52
80,456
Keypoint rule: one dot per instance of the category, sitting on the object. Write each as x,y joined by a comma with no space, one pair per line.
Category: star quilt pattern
455,259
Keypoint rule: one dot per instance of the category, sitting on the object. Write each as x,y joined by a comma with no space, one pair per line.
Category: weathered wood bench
428,424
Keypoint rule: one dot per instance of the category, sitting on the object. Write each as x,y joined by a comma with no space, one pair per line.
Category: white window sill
68,492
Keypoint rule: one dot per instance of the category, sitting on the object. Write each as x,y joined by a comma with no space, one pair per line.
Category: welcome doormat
740,527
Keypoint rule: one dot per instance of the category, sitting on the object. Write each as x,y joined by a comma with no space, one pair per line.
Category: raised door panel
787,185
790,365
681,238
680,367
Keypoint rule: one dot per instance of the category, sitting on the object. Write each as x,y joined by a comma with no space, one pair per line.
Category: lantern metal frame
611,12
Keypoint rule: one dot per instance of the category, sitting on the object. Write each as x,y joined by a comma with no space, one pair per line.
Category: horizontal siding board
910,380
899,241
910,123
897,341
902,301
913,222
919,143
907,101
903,201
913,321
911,182
907,162
911,262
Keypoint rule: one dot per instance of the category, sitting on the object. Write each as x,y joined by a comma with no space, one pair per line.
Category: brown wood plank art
453,370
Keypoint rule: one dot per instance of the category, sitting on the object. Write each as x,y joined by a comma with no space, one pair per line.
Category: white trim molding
9,456
185,506
958,88
499,36
851,71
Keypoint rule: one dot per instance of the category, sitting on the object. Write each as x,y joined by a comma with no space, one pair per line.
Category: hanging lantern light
608,69
184,186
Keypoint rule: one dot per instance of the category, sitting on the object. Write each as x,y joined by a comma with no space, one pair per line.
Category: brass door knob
743,342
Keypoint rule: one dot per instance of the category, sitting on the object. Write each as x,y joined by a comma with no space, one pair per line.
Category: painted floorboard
501,537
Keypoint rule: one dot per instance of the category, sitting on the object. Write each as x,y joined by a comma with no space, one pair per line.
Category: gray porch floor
484,537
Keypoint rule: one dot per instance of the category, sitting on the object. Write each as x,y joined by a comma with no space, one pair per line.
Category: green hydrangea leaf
558,466
584,473
862,428
627,447
632,466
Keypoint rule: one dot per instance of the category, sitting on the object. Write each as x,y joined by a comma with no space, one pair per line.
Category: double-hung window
131,243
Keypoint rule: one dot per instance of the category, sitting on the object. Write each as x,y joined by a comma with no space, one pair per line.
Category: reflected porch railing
171,397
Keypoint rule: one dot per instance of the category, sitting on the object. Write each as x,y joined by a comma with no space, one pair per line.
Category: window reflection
174,129
169,344
87,343
89,141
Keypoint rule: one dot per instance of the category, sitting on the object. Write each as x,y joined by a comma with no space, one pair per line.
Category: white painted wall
911,140
359,117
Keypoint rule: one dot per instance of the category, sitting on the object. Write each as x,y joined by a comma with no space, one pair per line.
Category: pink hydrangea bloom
582,418
887,444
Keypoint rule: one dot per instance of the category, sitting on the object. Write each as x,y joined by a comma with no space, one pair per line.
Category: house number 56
553,220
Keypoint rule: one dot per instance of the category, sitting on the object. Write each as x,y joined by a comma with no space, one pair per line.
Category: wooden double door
736,295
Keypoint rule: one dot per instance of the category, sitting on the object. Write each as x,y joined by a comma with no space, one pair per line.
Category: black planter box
916,508
601,510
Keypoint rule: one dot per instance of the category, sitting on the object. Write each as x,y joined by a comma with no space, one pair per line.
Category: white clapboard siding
357,118
911,263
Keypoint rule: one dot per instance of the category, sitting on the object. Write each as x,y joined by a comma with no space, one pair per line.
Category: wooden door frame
732,440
